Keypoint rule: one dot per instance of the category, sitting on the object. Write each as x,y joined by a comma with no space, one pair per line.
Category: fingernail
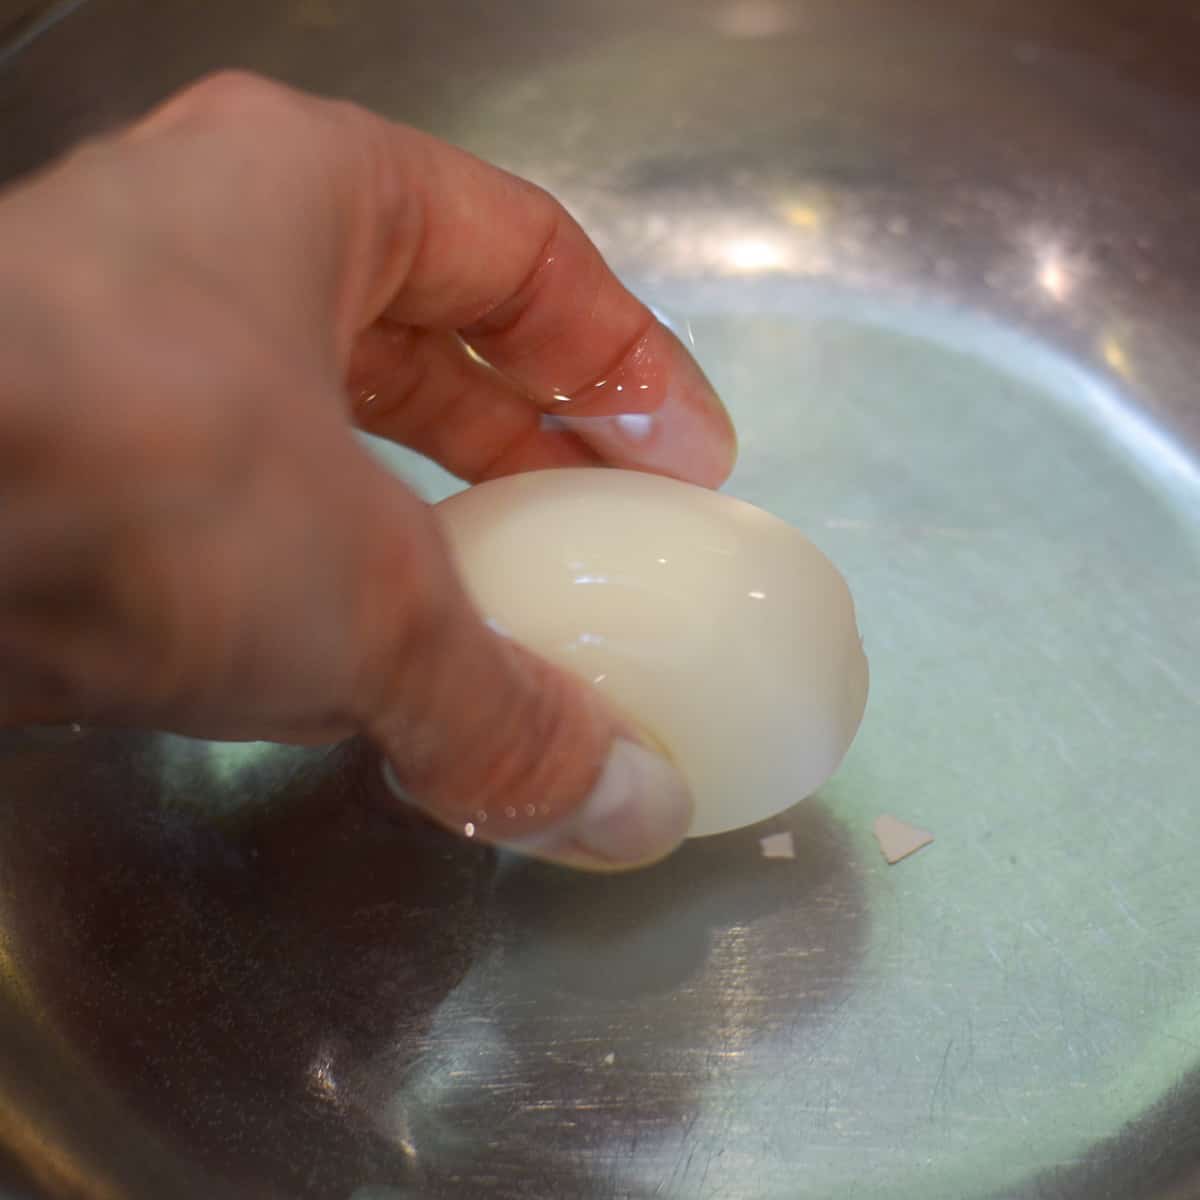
639,810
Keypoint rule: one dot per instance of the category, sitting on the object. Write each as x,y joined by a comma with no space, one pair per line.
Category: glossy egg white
716,627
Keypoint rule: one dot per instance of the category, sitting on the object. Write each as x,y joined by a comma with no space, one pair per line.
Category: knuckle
228,91
221,97
627,353
503,320
512,746
540,759
386,371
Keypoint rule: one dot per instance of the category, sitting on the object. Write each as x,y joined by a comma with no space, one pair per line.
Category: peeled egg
718,629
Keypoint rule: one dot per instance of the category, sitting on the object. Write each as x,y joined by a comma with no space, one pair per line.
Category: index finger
439,239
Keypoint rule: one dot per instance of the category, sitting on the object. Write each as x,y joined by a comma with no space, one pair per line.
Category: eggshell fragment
898,840
778,845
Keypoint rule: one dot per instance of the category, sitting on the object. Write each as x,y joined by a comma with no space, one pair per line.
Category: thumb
490,740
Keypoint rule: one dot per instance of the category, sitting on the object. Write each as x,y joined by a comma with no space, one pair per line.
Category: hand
194,315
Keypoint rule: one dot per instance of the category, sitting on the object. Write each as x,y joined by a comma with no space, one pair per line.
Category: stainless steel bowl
942,259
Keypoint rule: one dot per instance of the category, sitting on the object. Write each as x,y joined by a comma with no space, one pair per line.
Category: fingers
422,389
489,740
440,240
344,217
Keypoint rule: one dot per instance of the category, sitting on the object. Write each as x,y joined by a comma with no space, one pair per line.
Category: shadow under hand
227,981
308,994
613,1013
1156,1155
630,937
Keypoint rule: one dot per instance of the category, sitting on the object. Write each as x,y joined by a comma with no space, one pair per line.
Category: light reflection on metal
1053,278
320,1074
400,1133
752,255
1115,355
1152,445
808,208
802,216
53,1168
228,760
755,19
1058,270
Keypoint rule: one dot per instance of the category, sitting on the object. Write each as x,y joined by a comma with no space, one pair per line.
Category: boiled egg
719,630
